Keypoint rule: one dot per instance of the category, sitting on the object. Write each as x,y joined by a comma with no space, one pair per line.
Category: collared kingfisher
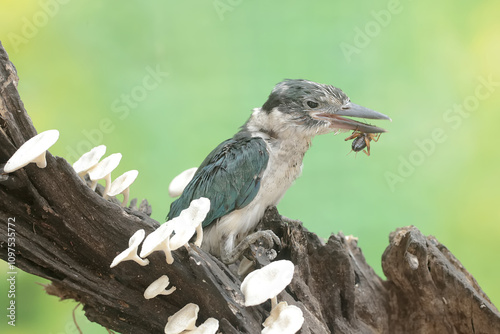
250,172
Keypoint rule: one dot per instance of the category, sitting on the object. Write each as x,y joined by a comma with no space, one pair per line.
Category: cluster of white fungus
184,320
89,164
33,150
177,232
266,283
168,237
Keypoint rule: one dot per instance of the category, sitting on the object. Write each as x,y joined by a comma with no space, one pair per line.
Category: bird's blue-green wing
229,176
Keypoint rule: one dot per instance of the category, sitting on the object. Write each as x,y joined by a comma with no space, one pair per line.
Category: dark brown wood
69,234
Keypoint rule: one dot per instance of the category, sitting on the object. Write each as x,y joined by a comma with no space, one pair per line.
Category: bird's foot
268,238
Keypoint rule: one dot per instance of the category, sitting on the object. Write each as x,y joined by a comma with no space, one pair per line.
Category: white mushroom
284,319
267,282
183,233
103,171
275,312
210,326
180,182
158,240
131,252
184,319
122,184
194,215
89,160
33,150
158,288
182,227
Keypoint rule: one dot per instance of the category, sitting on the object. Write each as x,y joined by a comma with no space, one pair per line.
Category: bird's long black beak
353,110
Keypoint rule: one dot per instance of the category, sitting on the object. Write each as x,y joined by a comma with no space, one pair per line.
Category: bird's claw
268,237
271,254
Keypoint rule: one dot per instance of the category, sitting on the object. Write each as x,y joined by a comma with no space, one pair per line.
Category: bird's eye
312,104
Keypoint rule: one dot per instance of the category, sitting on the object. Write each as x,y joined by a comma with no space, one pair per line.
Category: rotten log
69,234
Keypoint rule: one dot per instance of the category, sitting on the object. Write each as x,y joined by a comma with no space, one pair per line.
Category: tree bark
69,234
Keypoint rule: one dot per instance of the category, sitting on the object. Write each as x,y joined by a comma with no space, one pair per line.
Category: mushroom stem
142,262
131,252
169,257
103,171
169,291
168,252
40,161
125,193
33,150
199,235
274,302
107,178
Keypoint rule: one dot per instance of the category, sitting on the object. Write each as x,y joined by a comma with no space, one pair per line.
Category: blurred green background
85,69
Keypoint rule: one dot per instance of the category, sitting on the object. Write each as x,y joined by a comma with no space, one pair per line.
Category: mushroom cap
177,185
267,282
89,159
210,326
156,240
131,252
122,182
136,239
106,166
196,212
189,219
31,149
157,287
183,319
183,233
287,319
184,226
275,312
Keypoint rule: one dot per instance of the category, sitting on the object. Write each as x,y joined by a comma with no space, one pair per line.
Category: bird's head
311,108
